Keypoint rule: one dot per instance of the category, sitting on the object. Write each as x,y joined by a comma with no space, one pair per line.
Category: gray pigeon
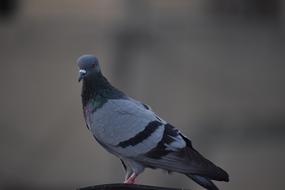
130,130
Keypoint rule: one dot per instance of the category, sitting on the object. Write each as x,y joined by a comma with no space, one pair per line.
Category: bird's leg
131,179
128,174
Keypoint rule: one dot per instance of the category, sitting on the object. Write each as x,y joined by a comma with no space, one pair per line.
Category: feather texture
131,130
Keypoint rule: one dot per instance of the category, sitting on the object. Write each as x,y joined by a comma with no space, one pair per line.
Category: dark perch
121,186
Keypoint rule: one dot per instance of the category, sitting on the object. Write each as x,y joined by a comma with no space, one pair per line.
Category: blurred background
214,69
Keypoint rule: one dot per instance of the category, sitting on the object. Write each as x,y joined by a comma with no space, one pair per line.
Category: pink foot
131,179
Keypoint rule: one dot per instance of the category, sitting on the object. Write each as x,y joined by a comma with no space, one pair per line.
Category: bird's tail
204,182
206,168
202,169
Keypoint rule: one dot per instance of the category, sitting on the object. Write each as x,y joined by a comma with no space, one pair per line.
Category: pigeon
134,133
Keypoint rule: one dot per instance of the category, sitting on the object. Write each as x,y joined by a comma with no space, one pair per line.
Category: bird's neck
98,87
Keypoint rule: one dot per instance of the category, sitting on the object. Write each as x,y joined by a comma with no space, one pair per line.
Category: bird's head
88,66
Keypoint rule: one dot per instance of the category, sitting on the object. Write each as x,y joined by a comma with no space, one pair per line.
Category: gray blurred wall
214,69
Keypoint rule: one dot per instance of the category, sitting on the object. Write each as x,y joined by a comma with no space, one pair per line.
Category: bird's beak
82,74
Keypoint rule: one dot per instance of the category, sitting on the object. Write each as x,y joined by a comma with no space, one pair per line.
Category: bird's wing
130,130
147,107
140,104
185,160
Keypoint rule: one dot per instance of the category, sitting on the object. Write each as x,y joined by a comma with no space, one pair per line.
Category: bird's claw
131,179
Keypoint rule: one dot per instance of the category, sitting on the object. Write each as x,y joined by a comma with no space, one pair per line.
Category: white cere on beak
82,71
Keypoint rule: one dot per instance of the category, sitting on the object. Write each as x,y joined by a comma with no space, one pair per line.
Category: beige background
213,69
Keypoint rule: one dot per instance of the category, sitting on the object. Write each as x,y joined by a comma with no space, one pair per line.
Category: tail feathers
204,182
205,167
